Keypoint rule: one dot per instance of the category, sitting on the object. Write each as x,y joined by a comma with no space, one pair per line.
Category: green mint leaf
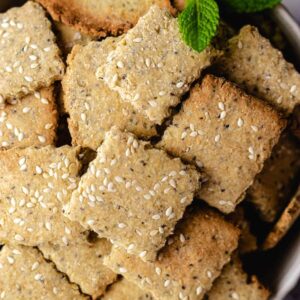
250,6
198,23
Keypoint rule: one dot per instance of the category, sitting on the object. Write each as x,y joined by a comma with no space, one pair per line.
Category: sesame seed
293,89
147,62
137,40
90,222
169,211
217,138
223,115
47,49
221,105
182,238
121,225
161,93
19,238
254,128
122,270
172,183
240,122
153,103
143,254
193,134
235,296
22,161
156,217
41,138
182,200
147,197
10,260
48,226
167,283
38,277
198,290
209,274
26,109
28,78
8,69
44,101
32,57
130,247
251,150
183,135
39,170
153,232
179,84
120,64
83,117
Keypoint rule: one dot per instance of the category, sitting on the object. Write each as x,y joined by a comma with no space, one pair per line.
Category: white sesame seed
19,238
48,226
235,296
209,274
4,144
179,84
161,93
120,64
147,197
167,283
83,117
147,62
122,270
26,109
221,105
32,57
90,222
137,40
8,69
153,103
156,217
169,211
217,138
41,138
240,122
121,225
22,161
251,150
153,232
39,170
10,260
143,254
44,101
28,78
38,277
130,247
183,135
293,89
182,238
193,134
182,200
254,128
47,49
198,290
34,66
223,115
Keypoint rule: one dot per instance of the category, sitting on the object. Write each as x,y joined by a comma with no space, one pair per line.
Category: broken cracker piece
126,290
273,187
284,223
251,61
82,261
93,107
29,57
101,18
235,284
187,266
133,194
31,121
25,274
227,133
152,67
35,184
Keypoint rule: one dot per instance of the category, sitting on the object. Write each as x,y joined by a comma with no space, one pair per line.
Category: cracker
274,186
133,194
284,223
82,261
25,274
68,37
248,241
146,70
35,184
93,107
100,18
31,121
126,290
228,133
188,265
235,284
251,61
29,57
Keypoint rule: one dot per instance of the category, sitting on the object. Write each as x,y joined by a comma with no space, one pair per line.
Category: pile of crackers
128,161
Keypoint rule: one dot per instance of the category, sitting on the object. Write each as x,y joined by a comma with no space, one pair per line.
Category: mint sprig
250,6
198,23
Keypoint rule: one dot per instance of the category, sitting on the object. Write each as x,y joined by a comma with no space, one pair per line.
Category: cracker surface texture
188,265
35,184
251,61
31,121
82,261
235,284
101,18
284,223
93,107
152,67
274,186
25,274
227,133
29,56
133,194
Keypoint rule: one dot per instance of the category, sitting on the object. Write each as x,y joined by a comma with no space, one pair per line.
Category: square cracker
29,57
235,284
35,184
228,133
82,261
93,107
126,290
152,67
133,194
251,61
25,274
31,121
284,223
101,18
274,186
188,265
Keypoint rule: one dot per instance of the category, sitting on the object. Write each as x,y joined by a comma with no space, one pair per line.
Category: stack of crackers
124,161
